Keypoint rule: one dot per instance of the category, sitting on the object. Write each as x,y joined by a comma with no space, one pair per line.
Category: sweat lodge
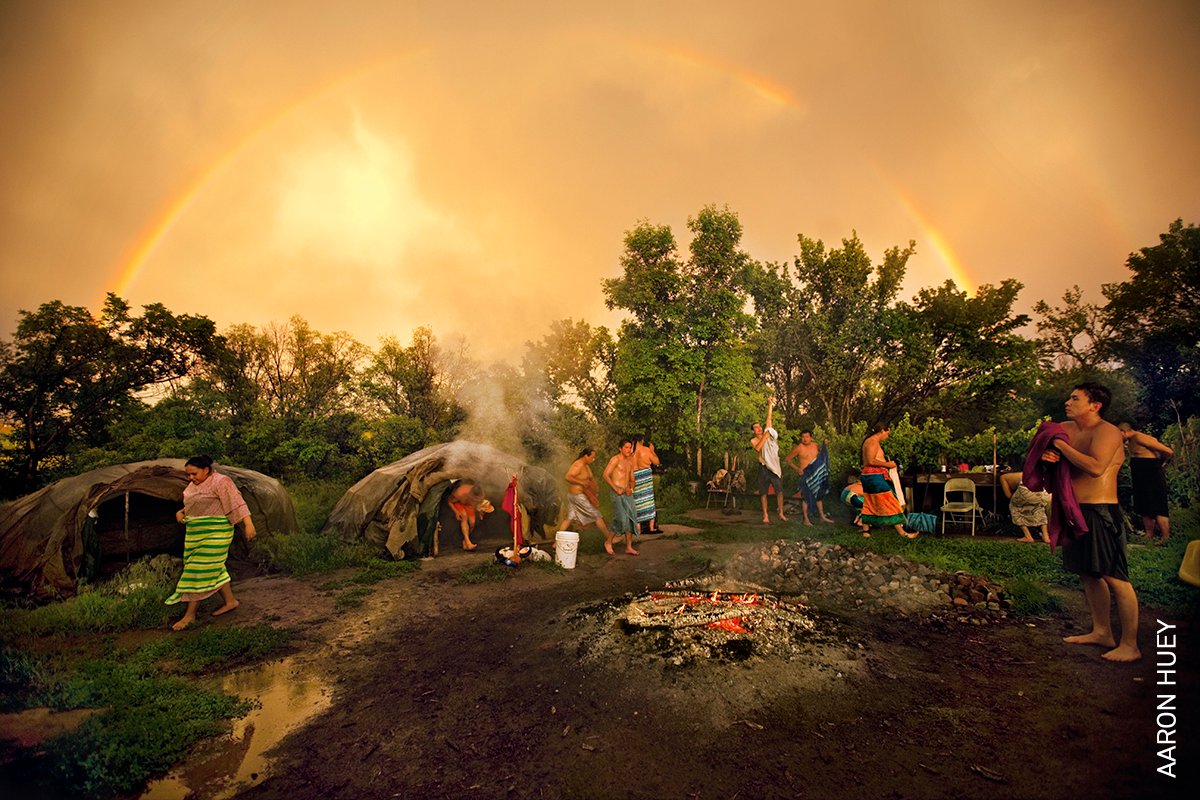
90,524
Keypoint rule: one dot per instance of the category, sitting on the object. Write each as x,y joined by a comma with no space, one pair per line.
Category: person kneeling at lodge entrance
212,505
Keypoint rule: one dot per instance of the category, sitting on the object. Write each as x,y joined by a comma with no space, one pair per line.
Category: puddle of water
289,696
36,725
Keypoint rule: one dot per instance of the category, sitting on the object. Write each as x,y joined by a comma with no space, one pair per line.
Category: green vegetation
487,572
149,714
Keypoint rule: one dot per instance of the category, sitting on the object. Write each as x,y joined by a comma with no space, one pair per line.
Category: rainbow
162,223
941,247
762,85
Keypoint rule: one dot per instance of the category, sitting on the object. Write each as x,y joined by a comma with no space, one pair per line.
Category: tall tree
66,375
823,330
682,366
410,381
575,362
1156,322
1075,335
951,351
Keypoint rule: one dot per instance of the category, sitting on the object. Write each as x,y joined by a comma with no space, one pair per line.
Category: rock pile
829,575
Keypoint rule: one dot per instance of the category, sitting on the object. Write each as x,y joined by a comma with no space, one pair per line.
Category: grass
1027,571
152,714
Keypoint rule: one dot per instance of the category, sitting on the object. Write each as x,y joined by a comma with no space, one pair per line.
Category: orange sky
375,166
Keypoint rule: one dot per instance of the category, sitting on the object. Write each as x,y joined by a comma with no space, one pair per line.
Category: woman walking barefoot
212,505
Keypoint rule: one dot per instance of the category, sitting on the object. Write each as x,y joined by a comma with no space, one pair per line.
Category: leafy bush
307,553
151,723
132,599
313,500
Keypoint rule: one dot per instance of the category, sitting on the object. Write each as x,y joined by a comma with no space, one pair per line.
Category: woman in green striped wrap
212,505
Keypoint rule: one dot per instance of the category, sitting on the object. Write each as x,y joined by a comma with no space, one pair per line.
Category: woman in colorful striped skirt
212,505
880,505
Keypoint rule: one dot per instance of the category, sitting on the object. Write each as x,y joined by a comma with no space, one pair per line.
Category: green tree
682,367
952,351
409,381
825,330
1075,335
1156,323
572,369
66,375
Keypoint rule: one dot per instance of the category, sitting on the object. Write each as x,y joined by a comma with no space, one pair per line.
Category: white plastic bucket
566,547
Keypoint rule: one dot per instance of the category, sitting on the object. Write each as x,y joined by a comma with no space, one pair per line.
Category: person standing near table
1093,451
1147,462
212,505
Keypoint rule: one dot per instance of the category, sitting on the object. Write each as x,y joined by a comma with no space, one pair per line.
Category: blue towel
815,480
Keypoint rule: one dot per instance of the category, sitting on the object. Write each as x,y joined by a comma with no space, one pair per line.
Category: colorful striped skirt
880,506
643,494
205,549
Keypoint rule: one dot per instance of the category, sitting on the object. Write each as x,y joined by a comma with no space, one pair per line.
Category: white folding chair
959,504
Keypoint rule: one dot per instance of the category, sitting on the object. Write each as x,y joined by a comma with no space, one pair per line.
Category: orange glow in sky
376,166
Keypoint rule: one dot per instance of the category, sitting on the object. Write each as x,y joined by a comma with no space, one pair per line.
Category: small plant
488,572
351,598
1030,598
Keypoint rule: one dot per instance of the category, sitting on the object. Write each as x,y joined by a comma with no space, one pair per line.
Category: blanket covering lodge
205,549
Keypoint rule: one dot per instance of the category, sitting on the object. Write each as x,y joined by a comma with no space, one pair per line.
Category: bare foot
866,533
608,547
908,535
469,546
766,520
1025,539
183,623
1123,653
826,519
632,552
1098,639
225,609
782,518
808,523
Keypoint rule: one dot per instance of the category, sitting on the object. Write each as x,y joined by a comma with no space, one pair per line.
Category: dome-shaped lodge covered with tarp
97,522
398,506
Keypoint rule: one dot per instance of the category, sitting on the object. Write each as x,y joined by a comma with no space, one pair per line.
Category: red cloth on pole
514,513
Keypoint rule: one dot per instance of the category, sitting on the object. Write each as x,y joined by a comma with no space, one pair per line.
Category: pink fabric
216,497
1066,517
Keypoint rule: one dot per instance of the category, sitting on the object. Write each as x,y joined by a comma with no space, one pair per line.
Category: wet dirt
286,693
448,690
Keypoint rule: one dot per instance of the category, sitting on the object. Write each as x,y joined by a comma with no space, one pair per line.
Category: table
987,488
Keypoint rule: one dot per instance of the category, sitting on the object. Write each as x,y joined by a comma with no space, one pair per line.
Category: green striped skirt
204,551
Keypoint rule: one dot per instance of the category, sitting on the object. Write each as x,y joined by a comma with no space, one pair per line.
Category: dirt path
446,690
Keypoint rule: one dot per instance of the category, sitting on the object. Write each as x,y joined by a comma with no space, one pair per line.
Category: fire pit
682,626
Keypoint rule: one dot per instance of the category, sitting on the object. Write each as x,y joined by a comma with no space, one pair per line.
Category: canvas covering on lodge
382,508
42,535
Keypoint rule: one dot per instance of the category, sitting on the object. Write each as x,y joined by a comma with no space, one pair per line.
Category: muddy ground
446,690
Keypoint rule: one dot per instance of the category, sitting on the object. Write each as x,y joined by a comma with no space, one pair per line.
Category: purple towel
1066,517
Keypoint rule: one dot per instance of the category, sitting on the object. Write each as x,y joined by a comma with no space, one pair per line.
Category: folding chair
960,509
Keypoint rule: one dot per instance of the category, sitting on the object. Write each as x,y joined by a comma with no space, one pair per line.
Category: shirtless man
803,454
1095,455
619,477
583,497
644,458
1146,458
469,504
881,506
766,442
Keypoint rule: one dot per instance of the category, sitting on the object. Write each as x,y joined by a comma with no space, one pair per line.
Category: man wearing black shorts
1094,450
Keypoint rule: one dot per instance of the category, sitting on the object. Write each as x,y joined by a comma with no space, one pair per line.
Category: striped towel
643,494
205,549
